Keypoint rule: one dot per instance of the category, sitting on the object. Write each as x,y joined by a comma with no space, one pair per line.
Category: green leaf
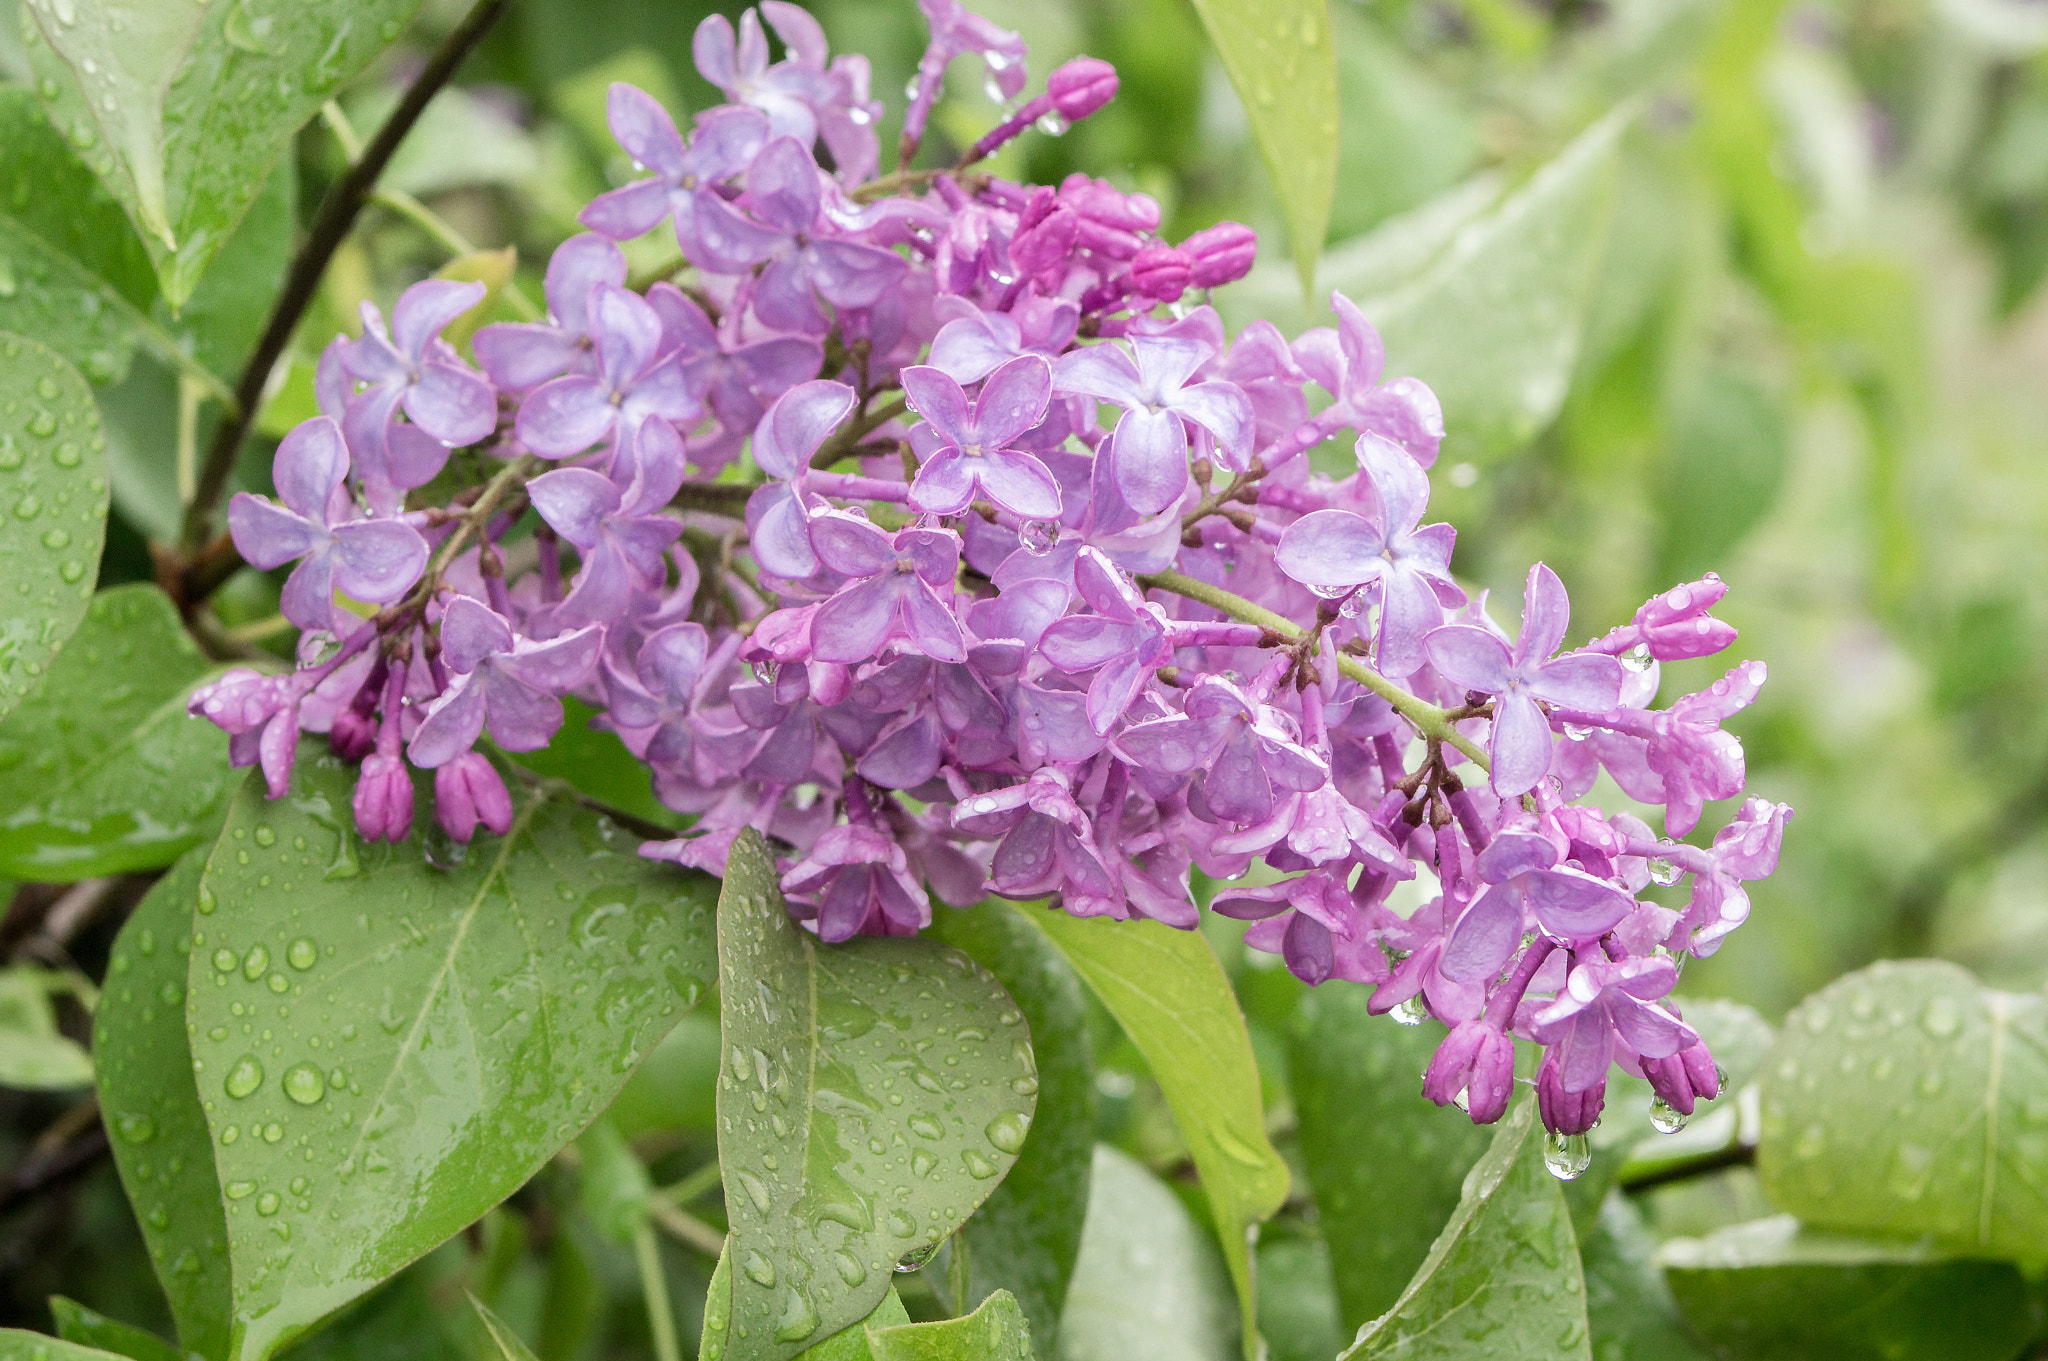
848,1344
222,320
1739,1039
1629,1308
1385,1164
1148,1285
101,770
510,1348
182,107
853,1344
53,490
162,1147
1503,1279
17,1345
1767,1291
1729,451
872,1094
72,274
676,1087
598,763
1907,1099
1173,999
1283,63
76,1323
1025,1238
614,1183
1297,1302
997,1331
388,1046
32,1053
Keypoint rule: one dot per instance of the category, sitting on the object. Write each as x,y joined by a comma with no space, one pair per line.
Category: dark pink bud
1221,254
383,801
1676,625
468,791
353,735
1048,244
1566,1112
1081,87
1160,273
1102,202
1310,953
1478,1060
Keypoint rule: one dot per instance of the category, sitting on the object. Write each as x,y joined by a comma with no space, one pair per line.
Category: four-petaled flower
903,592
1149,448
1347,363
620,534
1525,880
522,354
410,365
725,141
1124,642
778,521
370,560
501,682
972,450
1245,747
634,381
1605,1003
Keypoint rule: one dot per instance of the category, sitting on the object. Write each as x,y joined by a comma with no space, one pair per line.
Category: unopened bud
1160,273
1220,254
1081,87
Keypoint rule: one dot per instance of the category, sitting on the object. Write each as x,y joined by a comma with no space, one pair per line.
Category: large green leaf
1766,1291
1629,1308
1385,1164
76,1323
1148,1286
871,1095
387,1047
181,107
101,771
1173,999
32,1052
1906,1099
1503,1280
997,1331
53,509
16,1345
1025,1238
848,1344
1297,1301
1283,62
161,1144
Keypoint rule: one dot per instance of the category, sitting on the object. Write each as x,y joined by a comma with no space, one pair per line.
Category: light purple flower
778,520
1526,881
1244,746
518,355
1606,1002
663,692
971,346
634,382
861,881
260,715
973,452
958,31
410,365
1124,642
1473,658
725,143
1149,448
1347,363
510,685
902,591
785,193
785,92
371,560
469,791
735,383
1746,849
1335,549
620,534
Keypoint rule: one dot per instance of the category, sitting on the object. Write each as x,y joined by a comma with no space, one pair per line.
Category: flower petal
1012,401
566,416
452,404
378,560
936,397
1469,656
310,463
268,535
574,502
1149,454
425,308
1020,484
1521,743
452,725
1332,548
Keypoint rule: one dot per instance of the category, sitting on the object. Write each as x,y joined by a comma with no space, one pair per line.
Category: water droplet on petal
1567,1155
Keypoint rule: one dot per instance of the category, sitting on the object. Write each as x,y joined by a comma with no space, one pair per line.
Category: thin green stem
1426,718
696,1184
685,1227
189,395
513,474
958,1278
661,1316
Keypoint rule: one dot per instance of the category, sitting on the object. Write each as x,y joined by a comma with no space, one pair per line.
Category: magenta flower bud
1160,273
383,802
467,791
1685,1078
1566,1112
1676,625
1081,87
354,734
1478,1060
1221,254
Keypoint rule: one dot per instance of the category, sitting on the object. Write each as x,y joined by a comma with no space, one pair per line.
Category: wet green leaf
53,490
181,107
1148,1285
510,1348
1172,998
1297,1302
154,1121
1503,1279
32,1052
1283,62
17,1345
848,1344
1907,1099
1766,1291
76,1323
677,1086
1025,1238
614,1183
101,770
872,1095
997,1331
1385,1164
1629,1308
388,1045
220,323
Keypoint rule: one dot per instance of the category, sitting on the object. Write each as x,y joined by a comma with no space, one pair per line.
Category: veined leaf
161,1145
870,1097
53,490
76,1323
1503,1279
101,771
996,1331
1907,1099
1283,63
1172,998
181,107
387,1046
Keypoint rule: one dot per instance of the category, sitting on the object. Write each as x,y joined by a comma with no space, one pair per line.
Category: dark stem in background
1706,1164
205,565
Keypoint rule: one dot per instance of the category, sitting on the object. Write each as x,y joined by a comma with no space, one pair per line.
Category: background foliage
1748,285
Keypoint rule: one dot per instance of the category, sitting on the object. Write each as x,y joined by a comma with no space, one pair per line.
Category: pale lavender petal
1166,362
566,416
779,532
268,535
628,211
1409,611
936,397
671,660
1575,906
905,755
1365,357
1012,401
1149,452
1407,412
643,127
1332,548
716,236
1521,742
1238,787
797,424
574,501
1469,656
1020,484
378,560
1649,1030
726,141
932,626
1584,1050
520,354
852,626
520,718
452,404
1224,411
782,297
425,308
713,48
604,586
1112,691
451,727
1103,372
1515,852
968,349
782,186
1579,680
945,484
308,596
470,632
560,663
848,274
851,546
580,264
412,457
1083,642
1546,614
310,463
627,333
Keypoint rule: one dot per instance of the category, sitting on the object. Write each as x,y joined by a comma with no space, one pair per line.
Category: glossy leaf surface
871,1095
1503,1279
17,1345
1907,1099
1173,999
89,1328
1385,1164
101,771
1025,1237
996,1331
393,1044
33,1054
161,1144
53,490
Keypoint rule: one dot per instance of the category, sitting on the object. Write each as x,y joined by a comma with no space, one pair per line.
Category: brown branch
331,226
72,1143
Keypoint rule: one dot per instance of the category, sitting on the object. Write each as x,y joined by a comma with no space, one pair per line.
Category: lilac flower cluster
931,525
